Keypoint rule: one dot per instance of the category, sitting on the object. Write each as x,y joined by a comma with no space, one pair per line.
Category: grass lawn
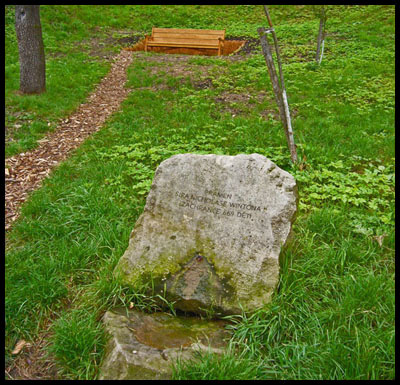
333,315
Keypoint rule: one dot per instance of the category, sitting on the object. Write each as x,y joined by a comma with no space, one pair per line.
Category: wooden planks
184,41
188,38
165,35
189,31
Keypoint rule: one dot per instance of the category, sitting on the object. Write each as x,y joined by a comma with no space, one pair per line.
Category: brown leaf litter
32,361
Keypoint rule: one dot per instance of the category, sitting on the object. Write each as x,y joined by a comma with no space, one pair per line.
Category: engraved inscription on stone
217,203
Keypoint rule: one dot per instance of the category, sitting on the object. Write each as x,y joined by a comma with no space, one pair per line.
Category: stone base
144,346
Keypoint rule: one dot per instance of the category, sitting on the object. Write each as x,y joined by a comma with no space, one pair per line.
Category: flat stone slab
144,346
212,231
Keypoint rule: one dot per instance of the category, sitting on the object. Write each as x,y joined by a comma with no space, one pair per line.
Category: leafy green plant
357,183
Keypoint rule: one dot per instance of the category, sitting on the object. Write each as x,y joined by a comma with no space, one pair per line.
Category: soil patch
203,84
251,45
240,103
105,47
177,66
202,77
34,362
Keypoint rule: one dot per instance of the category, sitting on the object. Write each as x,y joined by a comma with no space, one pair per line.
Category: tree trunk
287,123
31,49
269,61
280,96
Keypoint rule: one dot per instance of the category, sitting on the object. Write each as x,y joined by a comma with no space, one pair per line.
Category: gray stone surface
144,346
212,231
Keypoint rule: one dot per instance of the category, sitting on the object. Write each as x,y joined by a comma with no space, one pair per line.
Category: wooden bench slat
183,40
184,45
177,30
180,36
176,43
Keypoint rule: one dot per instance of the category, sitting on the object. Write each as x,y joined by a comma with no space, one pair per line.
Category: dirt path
24,172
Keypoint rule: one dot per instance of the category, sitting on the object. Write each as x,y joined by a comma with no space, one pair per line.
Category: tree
279,89
31,49
321,11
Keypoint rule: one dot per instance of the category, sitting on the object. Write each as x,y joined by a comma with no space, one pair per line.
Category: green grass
333,315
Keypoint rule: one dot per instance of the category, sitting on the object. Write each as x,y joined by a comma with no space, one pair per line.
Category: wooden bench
186,38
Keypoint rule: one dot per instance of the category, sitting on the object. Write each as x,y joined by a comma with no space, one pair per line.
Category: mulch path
24,172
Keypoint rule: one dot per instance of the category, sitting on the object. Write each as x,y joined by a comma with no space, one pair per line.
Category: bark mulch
24,172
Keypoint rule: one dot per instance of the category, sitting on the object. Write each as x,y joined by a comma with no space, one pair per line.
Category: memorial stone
211,233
